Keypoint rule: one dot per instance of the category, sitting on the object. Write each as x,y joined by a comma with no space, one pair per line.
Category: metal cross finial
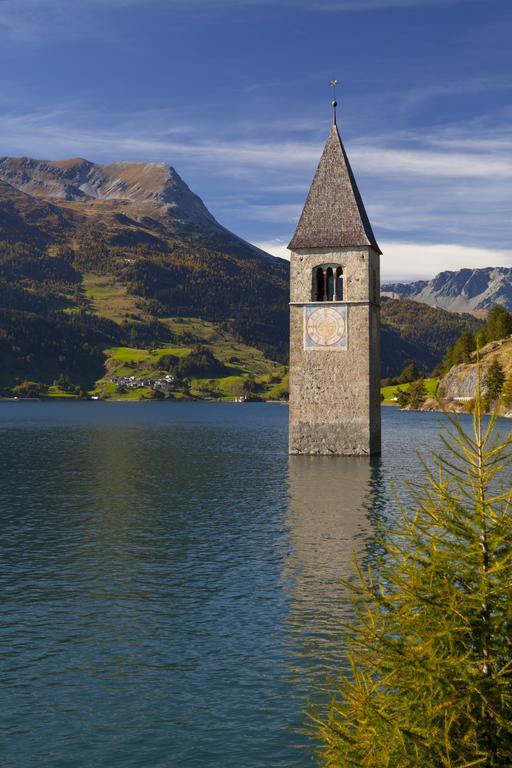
334,83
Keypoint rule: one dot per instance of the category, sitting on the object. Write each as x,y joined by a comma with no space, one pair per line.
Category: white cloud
409,261
453,185
280,212
413,261
423,162
276,247
455,88
65,131
154,134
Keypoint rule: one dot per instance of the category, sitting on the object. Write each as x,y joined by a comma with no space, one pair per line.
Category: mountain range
96,259
135,202
467,290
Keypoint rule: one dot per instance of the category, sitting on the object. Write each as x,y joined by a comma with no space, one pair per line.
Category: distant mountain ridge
467,290
144,228
140,197
80,180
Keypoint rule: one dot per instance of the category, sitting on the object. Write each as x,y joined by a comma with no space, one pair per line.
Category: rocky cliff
460,382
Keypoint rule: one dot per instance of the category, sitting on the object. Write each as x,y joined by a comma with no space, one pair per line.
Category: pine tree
409,373
506,393
402,397
499,323
431,648
460,352
481,338
493,381
417,393
464,346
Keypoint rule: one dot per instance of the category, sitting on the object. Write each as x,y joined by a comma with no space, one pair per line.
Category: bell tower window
320,285
327,283
339,284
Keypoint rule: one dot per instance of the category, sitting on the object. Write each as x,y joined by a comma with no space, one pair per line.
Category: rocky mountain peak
466,290
128,195
80,180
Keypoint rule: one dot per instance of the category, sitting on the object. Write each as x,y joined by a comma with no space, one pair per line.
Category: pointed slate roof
334,215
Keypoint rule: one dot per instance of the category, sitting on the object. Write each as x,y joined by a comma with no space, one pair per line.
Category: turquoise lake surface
170,589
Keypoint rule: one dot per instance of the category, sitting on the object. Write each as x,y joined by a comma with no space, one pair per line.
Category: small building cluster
164,382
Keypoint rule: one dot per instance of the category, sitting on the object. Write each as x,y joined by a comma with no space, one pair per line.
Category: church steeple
334,215
334,316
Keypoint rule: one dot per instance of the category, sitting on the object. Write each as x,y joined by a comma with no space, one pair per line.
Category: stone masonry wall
333,406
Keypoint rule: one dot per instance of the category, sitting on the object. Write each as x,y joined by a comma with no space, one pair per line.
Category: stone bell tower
334,316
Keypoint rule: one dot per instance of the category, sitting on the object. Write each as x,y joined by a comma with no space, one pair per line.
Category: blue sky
234,94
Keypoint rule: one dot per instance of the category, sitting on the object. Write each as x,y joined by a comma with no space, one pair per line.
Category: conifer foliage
498,326
431,645
494,381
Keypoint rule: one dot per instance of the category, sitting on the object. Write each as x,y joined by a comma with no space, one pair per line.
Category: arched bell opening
327,283
319,285
339,284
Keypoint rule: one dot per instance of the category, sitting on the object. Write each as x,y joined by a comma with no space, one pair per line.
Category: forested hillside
416,332
96,261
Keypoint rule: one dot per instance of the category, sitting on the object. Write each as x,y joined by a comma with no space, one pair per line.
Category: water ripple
170,581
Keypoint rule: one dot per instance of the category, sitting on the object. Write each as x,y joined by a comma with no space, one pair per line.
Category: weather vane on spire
334,83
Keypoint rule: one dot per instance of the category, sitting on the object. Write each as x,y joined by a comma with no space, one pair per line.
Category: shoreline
428,409
135,400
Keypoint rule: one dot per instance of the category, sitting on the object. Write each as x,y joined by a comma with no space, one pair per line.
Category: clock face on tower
325,327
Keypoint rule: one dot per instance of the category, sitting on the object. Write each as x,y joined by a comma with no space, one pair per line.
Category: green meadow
247,370
388,393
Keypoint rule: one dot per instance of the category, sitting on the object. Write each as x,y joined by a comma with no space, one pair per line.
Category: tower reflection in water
332,502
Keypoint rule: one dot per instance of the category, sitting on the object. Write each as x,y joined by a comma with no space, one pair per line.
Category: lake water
169,583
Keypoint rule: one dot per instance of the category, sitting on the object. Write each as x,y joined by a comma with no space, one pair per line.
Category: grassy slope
389,392
110,300
106,296
270,378
102,247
